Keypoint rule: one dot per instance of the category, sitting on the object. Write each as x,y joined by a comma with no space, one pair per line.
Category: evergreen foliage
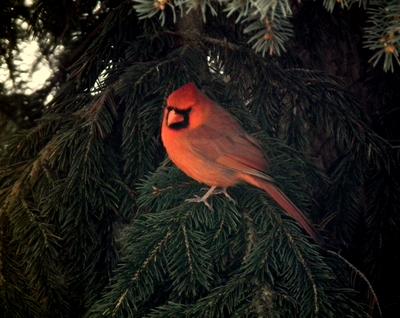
270,28
93,220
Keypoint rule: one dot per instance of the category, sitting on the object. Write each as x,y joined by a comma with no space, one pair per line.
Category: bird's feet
210,192
225,192
198,199
204,198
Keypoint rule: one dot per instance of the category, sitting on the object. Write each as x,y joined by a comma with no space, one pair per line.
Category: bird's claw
211,191
225,192
198,199
230,198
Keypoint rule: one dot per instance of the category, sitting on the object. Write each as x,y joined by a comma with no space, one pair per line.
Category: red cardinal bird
207,144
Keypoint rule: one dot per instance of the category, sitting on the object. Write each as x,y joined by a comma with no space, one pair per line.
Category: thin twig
220,42
363,277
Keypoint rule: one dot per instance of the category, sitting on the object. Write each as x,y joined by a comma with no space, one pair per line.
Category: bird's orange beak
173,118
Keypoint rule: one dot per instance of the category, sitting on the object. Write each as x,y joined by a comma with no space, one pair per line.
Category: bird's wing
232,148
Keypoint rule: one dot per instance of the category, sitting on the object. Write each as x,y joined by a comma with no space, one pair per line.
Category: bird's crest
184,97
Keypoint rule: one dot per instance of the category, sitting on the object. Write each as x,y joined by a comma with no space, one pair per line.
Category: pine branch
184,264
382,34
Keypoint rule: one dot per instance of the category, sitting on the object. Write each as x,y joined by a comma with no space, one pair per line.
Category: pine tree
93,218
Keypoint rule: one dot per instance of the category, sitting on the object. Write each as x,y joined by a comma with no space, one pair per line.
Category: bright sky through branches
31,79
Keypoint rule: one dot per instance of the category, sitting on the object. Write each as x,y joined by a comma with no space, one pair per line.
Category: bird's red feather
215,150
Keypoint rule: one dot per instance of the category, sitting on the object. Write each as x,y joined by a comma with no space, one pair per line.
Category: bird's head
185,108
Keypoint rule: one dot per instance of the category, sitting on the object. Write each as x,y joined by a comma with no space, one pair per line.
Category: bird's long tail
284,202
